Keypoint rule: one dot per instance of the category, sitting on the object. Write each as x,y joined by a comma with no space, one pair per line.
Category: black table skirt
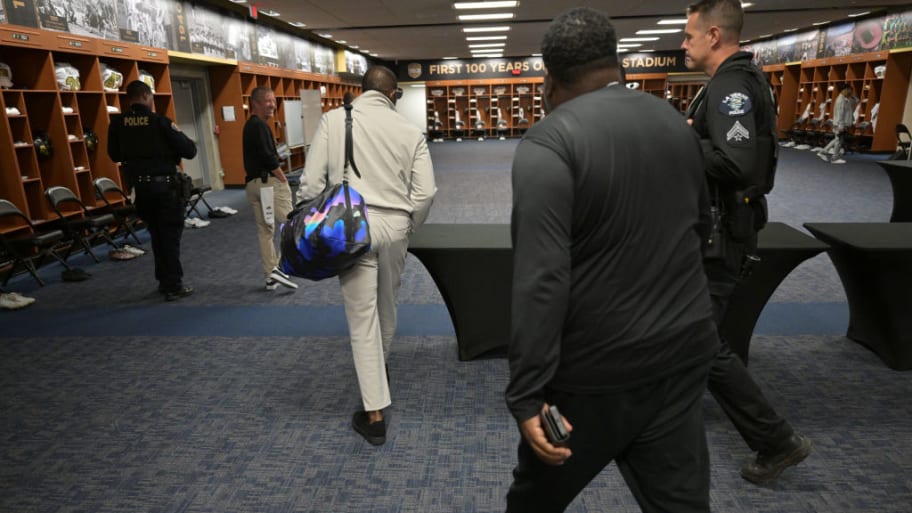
472,267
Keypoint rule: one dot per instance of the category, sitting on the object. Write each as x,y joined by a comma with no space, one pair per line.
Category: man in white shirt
397,183
843,119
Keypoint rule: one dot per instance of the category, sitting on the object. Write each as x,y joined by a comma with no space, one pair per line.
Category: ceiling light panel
484,17
485,5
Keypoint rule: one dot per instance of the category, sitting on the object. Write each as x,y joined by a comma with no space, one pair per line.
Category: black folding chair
124,210
196,195
78,222
27,248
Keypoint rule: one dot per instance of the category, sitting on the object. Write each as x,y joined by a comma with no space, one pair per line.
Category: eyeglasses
398,93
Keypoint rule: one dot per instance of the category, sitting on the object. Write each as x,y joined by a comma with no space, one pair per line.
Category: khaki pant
266,232
369,291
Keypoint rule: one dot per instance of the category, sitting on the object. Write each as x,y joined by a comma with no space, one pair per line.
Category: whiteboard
294,131
311,111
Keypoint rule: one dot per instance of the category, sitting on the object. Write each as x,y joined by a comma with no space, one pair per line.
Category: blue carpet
167,320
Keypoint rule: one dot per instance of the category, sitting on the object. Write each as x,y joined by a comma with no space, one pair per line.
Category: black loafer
373,432
767,467
175,294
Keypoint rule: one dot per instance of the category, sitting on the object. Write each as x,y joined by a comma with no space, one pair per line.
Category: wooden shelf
878,78
32,55
481,106
231,88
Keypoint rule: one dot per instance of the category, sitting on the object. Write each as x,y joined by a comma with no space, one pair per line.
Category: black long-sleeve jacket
147,143
608,287
735,117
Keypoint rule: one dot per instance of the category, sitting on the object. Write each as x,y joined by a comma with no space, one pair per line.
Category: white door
188,109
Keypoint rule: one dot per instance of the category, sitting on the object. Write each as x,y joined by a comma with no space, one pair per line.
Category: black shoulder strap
349,150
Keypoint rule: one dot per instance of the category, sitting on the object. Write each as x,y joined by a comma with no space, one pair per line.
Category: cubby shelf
64,112
231,89
482,108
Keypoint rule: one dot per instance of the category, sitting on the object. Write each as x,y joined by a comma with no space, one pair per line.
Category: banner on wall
176,25
671,61
470,69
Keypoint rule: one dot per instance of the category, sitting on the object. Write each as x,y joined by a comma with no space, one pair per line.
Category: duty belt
156,178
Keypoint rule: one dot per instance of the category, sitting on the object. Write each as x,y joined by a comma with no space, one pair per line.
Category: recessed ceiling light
745,5
485,5
488,45
744,41
677,21
374,55
297,24
536,55
857,14
790,30
640,50
486,38
761,36
623,50
342,41
658,31
486,50
354,47
327,36
489,56
449,58
629,45
486,29
636,39
819,23
488,53
270,12
239,1
492,16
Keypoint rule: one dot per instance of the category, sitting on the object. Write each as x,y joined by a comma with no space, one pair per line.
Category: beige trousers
265,232
369,291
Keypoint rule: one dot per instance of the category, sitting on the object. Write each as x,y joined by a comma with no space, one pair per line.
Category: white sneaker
271,284
824,157
790,144
14,301
133,249
838,161
803,147
281,278
227,210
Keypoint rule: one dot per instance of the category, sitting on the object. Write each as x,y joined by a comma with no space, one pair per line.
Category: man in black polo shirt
611,317
150,147
261,162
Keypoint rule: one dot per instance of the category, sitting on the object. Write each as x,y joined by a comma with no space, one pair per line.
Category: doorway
188,107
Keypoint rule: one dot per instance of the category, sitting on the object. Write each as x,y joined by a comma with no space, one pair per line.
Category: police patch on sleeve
735,104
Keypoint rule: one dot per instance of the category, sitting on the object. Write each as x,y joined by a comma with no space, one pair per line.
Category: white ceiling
430,29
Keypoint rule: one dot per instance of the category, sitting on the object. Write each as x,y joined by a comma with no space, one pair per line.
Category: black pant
655,434
159,206
729,382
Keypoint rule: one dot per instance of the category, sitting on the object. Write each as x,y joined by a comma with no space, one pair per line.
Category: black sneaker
175,294
374,433
281,278
767,467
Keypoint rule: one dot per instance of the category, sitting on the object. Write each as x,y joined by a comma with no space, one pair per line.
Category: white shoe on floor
14,301
838,161
271,284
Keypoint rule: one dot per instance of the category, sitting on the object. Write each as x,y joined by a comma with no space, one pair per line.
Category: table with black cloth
874,262
900,173
472,266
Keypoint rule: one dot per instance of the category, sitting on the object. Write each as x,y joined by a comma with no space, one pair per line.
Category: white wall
413,104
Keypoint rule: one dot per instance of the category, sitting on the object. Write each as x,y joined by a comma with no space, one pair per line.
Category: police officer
150,147
735,117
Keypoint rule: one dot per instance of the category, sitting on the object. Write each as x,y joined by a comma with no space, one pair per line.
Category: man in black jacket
735,117
611,318
150,147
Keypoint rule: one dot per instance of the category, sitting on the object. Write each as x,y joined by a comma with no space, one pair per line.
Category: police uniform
735,117
150,147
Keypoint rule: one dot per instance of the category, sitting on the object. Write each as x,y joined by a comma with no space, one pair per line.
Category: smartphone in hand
554,426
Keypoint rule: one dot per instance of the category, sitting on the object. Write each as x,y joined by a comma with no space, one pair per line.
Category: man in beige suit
397,183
